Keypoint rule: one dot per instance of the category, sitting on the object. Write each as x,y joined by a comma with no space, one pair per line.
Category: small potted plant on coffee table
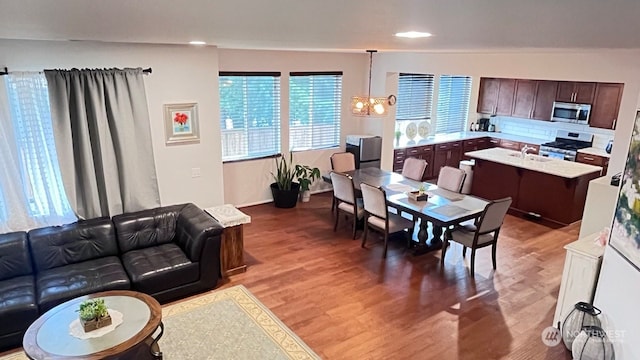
93,314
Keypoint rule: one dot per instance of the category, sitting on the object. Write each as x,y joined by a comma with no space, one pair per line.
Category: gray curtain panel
103,139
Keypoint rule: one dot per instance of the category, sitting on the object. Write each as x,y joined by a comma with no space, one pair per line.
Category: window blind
415,96
249,114
314,110
453,103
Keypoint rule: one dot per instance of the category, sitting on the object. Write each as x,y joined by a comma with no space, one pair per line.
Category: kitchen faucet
525,148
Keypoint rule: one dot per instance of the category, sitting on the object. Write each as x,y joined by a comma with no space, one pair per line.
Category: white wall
180,74
618,296
601,66
247,182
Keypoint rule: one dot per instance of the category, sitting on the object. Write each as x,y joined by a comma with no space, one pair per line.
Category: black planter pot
285,198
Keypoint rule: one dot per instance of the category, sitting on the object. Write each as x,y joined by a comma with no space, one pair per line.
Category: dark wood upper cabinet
576,92
488,95
545,96
506,93
496,96
524,98
606,104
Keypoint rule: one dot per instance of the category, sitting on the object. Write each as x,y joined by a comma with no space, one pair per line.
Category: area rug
224,324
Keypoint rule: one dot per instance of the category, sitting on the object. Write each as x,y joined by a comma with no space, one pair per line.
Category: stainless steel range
566,145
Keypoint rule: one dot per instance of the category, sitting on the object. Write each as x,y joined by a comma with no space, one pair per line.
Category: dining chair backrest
375,200
493,215
414,168
343,162
343,187
451,178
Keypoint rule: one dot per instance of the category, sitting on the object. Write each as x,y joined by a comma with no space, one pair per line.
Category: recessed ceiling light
413,34
197,42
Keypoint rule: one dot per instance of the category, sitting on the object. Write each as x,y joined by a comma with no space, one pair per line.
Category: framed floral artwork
181,123
625,232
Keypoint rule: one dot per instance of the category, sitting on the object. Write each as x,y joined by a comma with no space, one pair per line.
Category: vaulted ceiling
344,25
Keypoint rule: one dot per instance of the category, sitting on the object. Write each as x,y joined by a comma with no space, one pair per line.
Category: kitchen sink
531,157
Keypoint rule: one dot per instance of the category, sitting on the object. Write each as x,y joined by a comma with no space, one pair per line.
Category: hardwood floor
347,302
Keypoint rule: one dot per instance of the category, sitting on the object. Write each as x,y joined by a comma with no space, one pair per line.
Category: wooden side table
232,247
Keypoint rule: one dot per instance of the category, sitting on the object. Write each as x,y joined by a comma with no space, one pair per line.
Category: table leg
154,348
424,246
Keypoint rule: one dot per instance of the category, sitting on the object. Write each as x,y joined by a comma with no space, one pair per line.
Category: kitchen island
550,190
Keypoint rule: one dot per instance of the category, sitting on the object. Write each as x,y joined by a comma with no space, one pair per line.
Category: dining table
443,208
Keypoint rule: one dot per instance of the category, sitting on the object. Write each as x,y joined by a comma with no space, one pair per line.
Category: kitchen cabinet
508,144
473,145
594,160
398,160
580,275
420,152
576,92
493,142
496,96
524,98
488,95
554,199
543,103
446,154
606,105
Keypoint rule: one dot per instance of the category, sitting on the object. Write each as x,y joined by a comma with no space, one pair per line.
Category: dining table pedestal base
423,246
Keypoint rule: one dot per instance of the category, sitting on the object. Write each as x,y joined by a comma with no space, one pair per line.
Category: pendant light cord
370,66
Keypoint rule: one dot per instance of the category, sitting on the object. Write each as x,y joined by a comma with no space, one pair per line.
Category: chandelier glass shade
368,105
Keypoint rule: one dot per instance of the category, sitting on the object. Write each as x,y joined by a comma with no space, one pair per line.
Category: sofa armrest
193,228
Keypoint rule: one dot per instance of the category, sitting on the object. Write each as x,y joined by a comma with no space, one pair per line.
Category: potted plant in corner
284,190
306,176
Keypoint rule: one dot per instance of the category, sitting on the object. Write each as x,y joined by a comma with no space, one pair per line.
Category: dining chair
414,168
483,232
451,178
377,216
344,193
341,162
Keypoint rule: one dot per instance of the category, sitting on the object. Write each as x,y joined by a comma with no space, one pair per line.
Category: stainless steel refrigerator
367,150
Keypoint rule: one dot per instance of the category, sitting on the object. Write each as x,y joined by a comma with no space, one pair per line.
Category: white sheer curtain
31,190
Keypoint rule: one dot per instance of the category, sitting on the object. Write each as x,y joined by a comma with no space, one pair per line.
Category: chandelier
367,105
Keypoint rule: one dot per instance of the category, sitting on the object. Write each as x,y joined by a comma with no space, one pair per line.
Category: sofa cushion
56,246
14,255
55,286
18,307
158,268
146,228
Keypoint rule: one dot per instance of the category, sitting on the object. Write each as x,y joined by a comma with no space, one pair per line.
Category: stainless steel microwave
570,112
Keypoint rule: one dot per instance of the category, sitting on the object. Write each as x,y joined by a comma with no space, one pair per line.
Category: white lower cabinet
580,275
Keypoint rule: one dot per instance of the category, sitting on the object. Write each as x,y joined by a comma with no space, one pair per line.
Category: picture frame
181,123
625,231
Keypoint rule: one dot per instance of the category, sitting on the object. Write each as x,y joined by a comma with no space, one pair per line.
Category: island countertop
557,167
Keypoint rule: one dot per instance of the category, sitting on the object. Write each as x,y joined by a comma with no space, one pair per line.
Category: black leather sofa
167,252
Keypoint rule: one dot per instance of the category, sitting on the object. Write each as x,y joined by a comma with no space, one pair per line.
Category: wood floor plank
347,302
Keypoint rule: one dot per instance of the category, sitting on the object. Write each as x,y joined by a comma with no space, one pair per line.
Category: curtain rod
6,71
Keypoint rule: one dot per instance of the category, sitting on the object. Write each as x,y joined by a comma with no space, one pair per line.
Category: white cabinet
580,275
599,206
